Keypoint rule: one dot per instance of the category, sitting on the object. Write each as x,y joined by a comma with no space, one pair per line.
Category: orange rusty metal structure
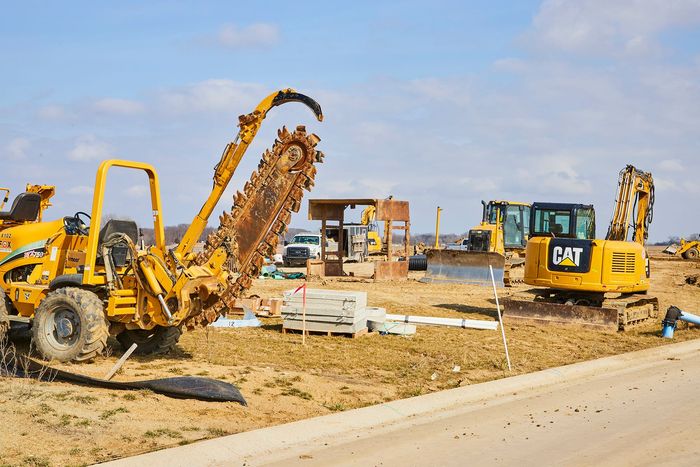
394,213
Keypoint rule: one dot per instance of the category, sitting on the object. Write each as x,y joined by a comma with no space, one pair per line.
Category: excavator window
516,227
552,222
548,221
585,224
563,220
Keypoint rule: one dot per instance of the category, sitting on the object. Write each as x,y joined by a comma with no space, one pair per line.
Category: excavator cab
563,220
505,227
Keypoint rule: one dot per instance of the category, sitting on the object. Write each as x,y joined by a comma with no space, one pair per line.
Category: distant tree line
675,239
174,233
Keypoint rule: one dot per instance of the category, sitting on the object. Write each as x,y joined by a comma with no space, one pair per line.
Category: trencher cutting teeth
260,215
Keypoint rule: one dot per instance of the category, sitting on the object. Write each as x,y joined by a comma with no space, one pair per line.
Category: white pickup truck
302,247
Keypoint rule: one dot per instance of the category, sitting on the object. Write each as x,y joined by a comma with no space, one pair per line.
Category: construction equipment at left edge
78,284
597,283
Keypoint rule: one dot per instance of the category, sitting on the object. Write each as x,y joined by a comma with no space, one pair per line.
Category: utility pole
437,228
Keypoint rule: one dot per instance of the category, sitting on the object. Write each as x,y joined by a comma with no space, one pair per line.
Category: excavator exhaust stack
464,267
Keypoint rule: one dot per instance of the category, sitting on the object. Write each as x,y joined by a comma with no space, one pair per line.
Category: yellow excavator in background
594,282
499,241
374,241
77,282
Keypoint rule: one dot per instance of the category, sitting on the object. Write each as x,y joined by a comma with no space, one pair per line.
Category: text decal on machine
569,255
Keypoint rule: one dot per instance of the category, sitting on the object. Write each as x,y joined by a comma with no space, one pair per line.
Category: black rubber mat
182,387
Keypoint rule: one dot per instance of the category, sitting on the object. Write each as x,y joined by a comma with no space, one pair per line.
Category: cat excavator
598,283
77,282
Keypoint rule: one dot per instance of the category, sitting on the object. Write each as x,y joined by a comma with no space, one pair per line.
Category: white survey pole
500,320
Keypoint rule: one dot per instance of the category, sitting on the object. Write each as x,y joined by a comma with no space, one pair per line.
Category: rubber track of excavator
251,230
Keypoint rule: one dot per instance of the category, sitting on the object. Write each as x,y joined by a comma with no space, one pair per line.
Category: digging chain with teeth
260,215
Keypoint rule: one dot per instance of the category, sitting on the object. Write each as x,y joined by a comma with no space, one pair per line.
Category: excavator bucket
464,267
555,313
615,314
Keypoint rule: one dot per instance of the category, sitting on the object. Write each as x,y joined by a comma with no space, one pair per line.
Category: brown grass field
62,424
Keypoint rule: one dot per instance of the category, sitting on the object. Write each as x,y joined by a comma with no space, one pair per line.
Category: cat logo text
566,256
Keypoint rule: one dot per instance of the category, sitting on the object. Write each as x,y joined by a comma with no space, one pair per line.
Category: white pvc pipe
453,322
500,320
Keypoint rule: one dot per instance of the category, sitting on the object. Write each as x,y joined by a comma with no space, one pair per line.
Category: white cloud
218,95
80,190
479,184
88,148
671,165
115,106
553,176
608,26
513,65
254,35
52,112
136,191
17,148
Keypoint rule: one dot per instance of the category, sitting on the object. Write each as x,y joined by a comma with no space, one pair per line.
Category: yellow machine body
496,244
614,266
503,228
578,262
71,265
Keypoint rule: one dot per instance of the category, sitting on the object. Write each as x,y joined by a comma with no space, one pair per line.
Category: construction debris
249,321
267,307
334,311
389,327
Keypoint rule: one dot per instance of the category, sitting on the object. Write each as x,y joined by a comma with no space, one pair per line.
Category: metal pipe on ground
452,322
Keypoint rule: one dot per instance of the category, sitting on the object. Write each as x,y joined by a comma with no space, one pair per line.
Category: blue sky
443,103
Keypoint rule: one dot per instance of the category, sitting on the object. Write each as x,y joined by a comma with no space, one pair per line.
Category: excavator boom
634,206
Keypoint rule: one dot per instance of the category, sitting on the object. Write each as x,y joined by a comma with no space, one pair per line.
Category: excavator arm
233,153
634,206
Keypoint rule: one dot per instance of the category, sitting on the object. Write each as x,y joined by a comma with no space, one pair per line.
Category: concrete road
636,409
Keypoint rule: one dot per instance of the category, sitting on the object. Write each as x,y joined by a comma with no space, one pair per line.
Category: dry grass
285,381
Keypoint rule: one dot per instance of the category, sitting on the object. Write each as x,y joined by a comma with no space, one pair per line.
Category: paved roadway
636,409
